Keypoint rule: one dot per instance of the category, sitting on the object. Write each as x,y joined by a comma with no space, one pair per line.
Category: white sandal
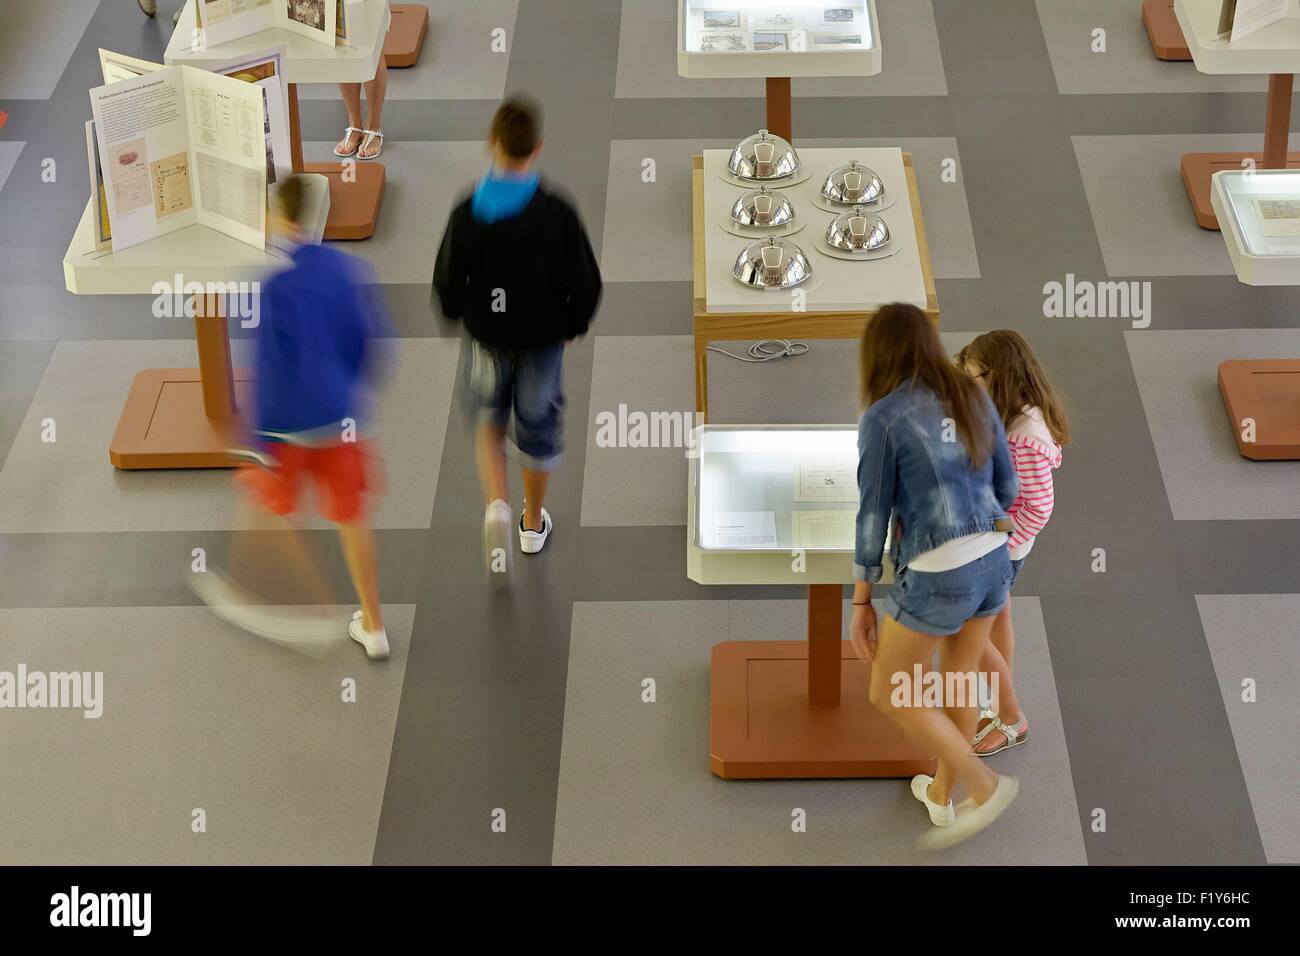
347,134
1015,734
370,138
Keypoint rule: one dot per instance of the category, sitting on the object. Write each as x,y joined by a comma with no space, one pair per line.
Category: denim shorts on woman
940,602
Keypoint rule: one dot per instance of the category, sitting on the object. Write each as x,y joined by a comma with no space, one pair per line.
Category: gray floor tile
1252,637
1127,65
1205,477
9,152
635,786
647,67
196,715
37,41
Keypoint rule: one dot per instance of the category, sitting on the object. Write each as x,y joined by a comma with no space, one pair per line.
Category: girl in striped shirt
1004,365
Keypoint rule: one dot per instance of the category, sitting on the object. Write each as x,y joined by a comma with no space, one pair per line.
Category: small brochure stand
182,418
775,505
356,186
1274,51
777,41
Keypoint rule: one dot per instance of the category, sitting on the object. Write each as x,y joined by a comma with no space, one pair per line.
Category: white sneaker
971,819
375,642
498,555
530,542
940,816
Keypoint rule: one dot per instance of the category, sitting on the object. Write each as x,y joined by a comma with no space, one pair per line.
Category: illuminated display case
746,38
1259,215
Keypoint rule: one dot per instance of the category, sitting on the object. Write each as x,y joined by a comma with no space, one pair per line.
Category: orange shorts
341,476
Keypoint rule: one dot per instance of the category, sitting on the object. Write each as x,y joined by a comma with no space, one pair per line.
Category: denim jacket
908,471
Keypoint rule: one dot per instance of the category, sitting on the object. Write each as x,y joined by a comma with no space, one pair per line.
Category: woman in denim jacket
933,459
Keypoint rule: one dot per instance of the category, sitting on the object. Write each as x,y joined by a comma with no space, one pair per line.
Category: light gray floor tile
196,715
647,64
1140,208
635,785
456,62
648,225
9,152
423,182
21,366
1205,477
81,432
1252,637
1128,65
638,486
36,43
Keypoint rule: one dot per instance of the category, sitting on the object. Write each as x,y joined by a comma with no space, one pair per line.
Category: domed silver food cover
857,231
762,207
762,157
852,185
772,264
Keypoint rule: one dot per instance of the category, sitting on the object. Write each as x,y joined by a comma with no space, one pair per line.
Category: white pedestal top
1258,259
196,253
306,61
1274,49
837,285
762,38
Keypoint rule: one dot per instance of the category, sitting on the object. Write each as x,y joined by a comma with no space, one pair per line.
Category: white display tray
844,286
814,61
306,61
1256,258
1274,49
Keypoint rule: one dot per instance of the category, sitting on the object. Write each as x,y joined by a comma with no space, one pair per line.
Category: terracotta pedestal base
1267,393
1167,41
1198,168
354,206
164,424
405,34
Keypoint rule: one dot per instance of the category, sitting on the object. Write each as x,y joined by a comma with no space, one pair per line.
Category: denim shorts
525,387
1016,565
940,602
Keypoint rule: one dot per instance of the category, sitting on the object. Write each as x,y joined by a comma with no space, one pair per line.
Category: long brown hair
901,343
1014,379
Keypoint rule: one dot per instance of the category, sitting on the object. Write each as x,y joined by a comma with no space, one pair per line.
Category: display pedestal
185,418
1266,391
355,201
405,34
1199,168
780,107
1167,40
800,709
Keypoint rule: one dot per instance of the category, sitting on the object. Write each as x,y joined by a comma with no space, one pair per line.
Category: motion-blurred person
517,267
933,458
1004,365
317,362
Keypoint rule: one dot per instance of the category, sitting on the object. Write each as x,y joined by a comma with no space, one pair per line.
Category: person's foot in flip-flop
994,735
350,142
973,817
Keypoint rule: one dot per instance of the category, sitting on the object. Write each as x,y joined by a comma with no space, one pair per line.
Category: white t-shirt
957,552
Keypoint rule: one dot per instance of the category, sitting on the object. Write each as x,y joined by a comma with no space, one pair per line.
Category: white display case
772,504
1274,49
764,38
1259,215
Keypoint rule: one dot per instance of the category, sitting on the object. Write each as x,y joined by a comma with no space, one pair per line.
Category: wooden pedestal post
780,109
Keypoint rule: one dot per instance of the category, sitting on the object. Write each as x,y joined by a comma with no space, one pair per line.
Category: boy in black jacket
517,268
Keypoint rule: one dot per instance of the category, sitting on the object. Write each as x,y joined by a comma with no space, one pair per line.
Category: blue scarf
503,195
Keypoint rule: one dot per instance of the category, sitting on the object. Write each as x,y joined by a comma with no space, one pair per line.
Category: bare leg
265,543
960,654
534,494
376,90
898,649
491,459
351,93
359,552
997,660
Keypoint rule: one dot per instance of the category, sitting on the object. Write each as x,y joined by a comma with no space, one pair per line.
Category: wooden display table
356,186
1267,392
1273,51
1166,36
838,309
797,708
182,418
406,34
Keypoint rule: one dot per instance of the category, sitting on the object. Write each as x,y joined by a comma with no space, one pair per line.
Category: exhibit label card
745,529
823,530
831,479
1251,16
1279,218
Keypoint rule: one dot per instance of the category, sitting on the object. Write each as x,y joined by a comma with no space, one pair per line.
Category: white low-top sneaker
498,554
530,542
972,818
375,642
940,816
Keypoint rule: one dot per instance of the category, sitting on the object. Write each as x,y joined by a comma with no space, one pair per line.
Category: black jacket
521,283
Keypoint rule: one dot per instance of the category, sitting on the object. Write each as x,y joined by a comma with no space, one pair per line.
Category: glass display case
775,26
1259,216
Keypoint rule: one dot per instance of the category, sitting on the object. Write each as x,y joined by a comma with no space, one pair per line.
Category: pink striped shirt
1035,454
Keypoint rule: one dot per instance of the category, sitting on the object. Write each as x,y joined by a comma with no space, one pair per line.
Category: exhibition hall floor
529,702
